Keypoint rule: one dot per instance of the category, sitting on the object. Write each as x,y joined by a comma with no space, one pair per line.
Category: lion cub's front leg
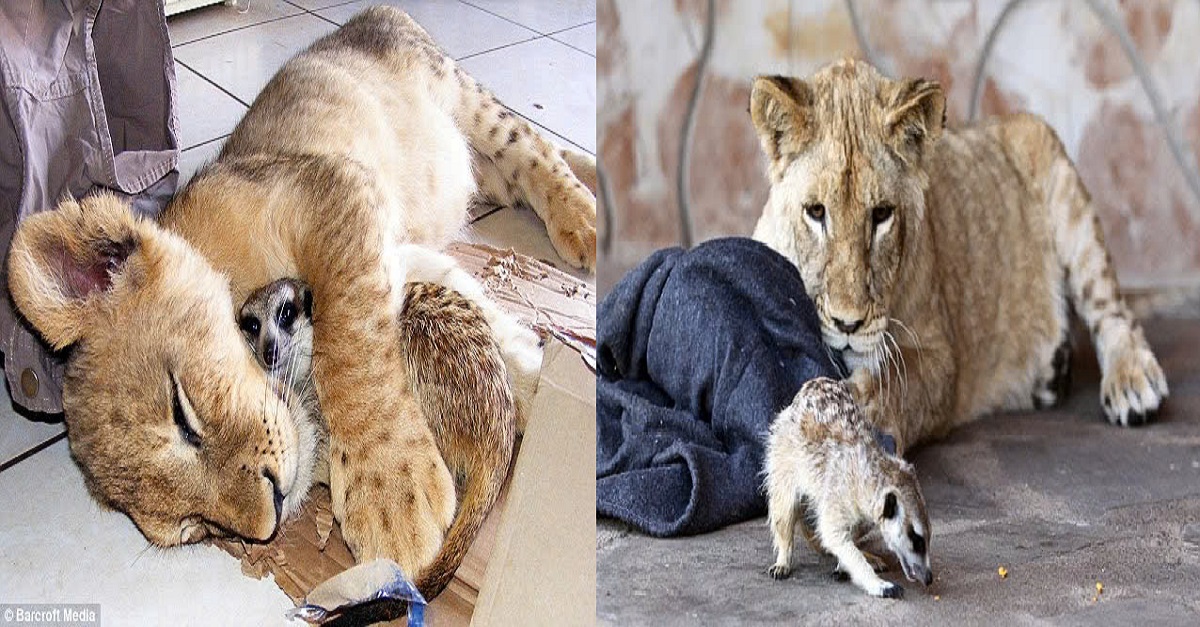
391,490
392,493
1132,385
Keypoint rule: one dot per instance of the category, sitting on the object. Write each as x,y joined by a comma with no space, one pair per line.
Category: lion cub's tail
463,387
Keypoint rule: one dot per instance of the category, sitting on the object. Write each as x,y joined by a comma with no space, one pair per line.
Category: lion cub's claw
1133,386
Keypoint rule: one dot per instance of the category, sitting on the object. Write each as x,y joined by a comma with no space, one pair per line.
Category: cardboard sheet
543,566
310,548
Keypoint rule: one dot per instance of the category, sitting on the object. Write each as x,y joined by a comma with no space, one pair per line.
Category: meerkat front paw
779,571
889,590
1133,386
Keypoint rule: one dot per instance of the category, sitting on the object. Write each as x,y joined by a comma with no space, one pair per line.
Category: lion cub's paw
400,514
576,246
1133,386
572,228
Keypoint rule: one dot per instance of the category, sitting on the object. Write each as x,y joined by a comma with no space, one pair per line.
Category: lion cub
826,471
455,366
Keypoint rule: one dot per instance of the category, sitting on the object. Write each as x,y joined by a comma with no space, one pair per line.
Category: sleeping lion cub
350,169
943,263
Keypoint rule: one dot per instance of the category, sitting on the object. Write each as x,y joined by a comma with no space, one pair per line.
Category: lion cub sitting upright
942,263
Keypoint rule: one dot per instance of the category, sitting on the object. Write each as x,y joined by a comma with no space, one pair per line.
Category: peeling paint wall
1057,58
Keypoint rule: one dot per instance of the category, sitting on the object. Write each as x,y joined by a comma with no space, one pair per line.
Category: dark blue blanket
698,350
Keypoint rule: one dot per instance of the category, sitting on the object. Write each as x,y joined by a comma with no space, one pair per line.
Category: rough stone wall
1057,58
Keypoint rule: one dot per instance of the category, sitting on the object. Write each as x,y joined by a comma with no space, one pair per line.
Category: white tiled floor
539,58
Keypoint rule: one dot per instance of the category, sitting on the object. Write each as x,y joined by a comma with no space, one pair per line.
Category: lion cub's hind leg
517,165
1132,385
1055,381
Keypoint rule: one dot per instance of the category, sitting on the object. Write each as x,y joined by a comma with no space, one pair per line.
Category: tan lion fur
362,149
961,294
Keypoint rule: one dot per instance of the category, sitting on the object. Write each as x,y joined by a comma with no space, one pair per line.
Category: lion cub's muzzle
858,341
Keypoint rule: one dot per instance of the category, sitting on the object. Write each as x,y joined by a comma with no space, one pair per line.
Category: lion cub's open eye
815,211
881,213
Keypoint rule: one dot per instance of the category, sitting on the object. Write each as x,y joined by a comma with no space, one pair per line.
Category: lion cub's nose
847,327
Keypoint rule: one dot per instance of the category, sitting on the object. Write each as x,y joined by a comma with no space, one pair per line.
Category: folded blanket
698,351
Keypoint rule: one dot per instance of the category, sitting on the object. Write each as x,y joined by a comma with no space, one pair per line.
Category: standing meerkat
454,365
826,471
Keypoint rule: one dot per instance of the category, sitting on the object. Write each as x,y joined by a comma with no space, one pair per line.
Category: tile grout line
491,211
508,45
213,83
322,17
548,130
511,21
563,30
205,143
572,47
34,450
234,30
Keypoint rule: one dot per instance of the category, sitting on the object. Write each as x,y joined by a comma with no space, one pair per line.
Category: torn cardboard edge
309,549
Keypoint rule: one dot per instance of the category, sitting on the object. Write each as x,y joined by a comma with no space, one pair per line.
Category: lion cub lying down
826,471
454,364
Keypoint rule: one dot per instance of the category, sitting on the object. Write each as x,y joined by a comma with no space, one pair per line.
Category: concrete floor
1059,498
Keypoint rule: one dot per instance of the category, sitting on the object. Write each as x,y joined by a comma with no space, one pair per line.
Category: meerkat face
904,526
277,322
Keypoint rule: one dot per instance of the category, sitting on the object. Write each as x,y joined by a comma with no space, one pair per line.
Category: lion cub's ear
64,262
916,113
781,109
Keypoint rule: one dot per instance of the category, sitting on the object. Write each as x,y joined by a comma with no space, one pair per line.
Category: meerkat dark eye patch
287,315
889,506
918,543
882,213
249,325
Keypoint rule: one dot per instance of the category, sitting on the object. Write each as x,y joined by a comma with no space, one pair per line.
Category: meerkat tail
479,496
462,384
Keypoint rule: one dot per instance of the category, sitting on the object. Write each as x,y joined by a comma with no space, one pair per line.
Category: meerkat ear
781,109
888,505
916,114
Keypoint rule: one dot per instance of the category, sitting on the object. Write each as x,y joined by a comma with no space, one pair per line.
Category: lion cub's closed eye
826,471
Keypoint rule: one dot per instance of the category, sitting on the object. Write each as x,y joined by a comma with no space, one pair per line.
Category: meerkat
276,321
826,471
